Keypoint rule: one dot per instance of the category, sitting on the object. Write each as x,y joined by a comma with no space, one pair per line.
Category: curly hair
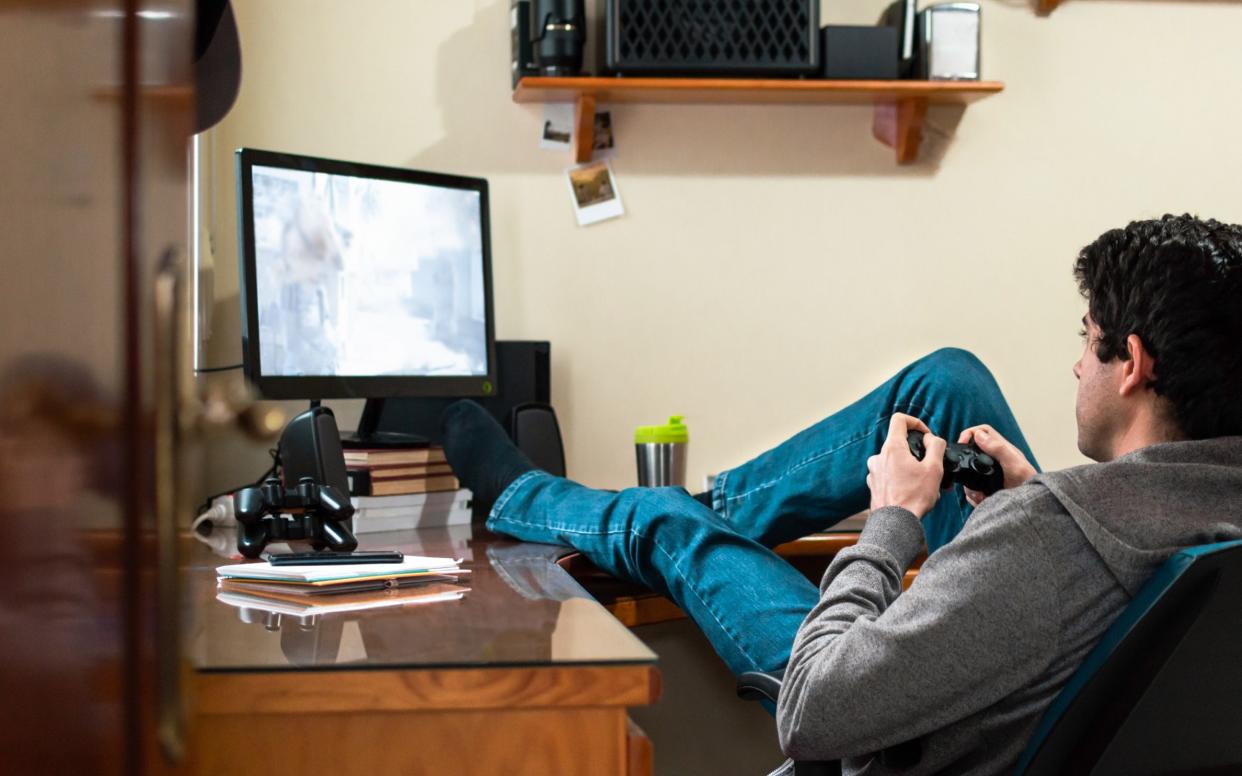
1176,282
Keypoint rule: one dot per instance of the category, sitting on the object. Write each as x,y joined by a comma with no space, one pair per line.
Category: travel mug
661,452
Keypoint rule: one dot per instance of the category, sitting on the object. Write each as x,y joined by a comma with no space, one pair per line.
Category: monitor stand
368,435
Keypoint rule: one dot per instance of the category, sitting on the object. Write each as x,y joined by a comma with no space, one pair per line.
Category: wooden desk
525,675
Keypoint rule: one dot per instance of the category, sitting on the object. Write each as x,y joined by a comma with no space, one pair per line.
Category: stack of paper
340,587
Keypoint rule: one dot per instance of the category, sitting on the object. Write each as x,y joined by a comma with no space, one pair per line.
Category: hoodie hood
1141,508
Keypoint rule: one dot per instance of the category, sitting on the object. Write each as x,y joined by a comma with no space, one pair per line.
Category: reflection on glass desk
522,609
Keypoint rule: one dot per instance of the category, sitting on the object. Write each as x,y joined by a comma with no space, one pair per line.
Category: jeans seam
720,502
737,642
909,410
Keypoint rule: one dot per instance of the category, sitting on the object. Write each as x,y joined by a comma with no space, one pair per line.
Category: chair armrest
760,685
765,686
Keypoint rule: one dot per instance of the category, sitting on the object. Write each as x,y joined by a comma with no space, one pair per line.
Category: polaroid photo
594,192
558,126
604,141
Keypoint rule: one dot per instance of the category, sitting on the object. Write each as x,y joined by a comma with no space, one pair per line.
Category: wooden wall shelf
900,105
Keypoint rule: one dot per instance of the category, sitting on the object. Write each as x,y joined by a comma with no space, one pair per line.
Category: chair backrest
1159,693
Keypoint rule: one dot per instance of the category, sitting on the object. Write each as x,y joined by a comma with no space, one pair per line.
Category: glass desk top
522,609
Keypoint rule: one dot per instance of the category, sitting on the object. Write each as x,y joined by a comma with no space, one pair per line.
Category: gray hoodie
971,655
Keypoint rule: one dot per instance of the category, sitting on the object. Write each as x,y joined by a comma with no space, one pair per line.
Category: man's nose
1078,369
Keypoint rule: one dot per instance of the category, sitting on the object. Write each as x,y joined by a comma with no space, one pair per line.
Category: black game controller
321,517
966,465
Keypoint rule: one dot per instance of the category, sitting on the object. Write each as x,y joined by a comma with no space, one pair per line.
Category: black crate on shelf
724,38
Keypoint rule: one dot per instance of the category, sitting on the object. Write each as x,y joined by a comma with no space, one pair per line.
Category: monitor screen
363,281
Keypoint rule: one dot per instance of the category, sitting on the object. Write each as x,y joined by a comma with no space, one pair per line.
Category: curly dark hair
1176,282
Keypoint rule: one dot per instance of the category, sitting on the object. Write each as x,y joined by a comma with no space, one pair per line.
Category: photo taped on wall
593,188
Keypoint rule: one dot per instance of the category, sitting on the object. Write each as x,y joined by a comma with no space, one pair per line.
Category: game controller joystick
321,513
966,465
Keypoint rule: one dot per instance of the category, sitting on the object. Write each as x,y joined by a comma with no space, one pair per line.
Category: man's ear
1139,370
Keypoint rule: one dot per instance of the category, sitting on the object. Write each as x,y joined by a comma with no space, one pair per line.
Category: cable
271,470
218,512
209,369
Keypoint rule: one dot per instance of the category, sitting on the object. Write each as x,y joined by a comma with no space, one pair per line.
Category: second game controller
965,465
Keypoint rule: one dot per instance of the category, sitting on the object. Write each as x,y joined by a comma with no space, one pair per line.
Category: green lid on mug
673,433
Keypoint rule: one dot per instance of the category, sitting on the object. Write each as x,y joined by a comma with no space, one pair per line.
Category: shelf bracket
899,124
584,128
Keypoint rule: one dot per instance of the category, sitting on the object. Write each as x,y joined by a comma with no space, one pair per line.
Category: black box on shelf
522,61
859,52
709,38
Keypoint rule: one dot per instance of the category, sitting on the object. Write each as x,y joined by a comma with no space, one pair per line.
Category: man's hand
1017,469
898,479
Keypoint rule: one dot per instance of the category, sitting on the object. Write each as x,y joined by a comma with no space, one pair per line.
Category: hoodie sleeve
872,667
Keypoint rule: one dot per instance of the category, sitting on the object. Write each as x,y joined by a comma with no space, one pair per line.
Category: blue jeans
716,563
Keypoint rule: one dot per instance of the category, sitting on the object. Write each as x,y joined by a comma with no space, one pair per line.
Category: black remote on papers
332,558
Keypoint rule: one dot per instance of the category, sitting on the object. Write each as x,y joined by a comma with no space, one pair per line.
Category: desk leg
640,754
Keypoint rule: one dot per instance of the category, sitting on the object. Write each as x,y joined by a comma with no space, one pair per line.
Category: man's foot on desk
483,457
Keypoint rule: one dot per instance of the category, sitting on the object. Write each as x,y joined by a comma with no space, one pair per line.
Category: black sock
480,452
704,498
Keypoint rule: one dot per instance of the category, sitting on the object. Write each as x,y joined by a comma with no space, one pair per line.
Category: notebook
411,566
349,602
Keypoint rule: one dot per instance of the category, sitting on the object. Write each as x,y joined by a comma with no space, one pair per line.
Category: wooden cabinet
507,720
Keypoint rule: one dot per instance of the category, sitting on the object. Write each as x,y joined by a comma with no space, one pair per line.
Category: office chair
1157,695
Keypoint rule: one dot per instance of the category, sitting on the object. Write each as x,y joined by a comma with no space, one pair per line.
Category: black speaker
535,431
310,446
524,376
713,37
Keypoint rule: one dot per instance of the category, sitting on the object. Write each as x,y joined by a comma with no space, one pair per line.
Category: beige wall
774,261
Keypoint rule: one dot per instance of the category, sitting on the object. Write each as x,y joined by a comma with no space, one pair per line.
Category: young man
1009,603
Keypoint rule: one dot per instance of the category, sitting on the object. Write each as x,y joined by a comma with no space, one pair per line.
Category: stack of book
415,510
395,490
397,472
305,590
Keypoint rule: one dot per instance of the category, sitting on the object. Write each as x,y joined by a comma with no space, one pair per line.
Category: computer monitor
361,281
